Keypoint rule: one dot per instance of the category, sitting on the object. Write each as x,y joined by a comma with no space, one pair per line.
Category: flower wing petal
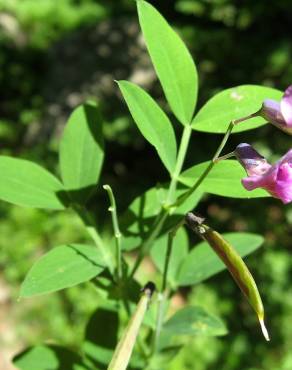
266,181
251,182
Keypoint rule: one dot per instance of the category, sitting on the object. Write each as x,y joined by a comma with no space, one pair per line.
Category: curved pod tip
264,329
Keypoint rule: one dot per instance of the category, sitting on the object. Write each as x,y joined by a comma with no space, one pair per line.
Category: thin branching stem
214,160
158,223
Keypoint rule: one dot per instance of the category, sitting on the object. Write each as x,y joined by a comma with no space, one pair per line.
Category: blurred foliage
45,21
233,42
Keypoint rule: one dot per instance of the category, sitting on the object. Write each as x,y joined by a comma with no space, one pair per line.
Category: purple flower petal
284,178
279,114
251,183
271,111
286,106
272,106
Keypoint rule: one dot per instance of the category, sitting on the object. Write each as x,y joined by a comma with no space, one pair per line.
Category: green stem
158,223
92,231
117,233
179,163
225,156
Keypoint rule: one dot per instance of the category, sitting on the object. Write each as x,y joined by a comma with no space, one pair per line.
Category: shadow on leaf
101,337
49,357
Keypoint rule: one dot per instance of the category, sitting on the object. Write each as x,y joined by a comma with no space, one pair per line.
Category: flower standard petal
271,111
279,114
286,106
287,158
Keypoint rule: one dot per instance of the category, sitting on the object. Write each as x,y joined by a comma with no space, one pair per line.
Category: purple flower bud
279,114
251,160
275,179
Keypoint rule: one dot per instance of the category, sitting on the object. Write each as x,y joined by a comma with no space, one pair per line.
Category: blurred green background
56,54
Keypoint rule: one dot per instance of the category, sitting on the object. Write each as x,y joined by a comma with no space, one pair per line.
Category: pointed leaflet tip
264,330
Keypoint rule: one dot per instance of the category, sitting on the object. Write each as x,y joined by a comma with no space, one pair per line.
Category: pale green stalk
113,210
92,231
123,351
179,163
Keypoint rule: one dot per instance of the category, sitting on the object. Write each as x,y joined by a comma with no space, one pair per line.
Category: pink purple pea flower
275,179
279,113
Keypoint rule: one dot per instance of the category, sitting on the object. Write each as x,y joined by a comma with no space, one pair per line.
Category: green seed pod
123,351
234,264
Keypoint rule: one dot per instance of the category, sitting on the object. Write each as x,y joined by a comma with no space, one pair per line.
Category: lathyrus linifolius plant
154,224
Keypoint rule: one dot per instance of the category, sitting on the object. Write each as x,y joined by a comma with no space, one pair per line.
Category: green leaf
62,267
231,104
152,122
194,320
172,61
202,262
163,357
46,357
81,151
179,252
140,215
27,184
224,179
